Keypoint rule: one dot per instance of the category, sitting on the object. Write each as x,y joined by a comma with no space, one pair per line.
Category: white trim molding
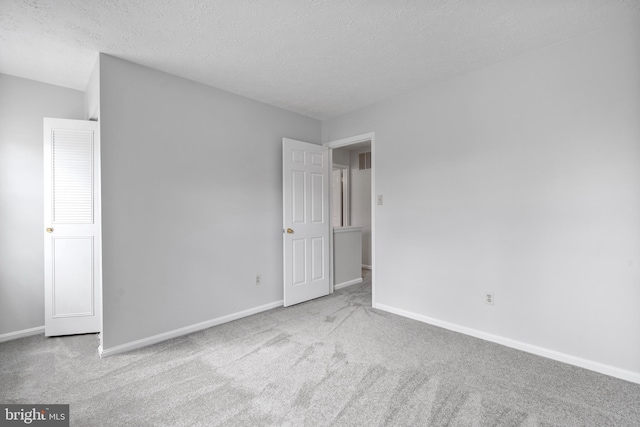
519,345
133,345
348,283
21,334
347,229
351,140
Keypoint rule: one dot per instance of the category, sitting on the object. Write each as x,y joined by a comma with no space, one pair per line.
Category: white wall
521,178
23,105
192,200
360,193
92,93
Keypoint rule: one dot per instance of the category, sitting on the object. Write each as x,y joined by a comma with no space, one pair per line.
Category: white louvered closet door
72,234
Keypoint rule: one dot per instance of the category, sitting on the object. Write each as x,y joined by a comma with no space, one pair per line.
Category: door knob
49,230
289,231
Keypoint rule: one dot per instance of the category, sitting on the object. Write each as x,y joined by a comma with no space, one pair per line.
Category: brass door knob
289,231
49,230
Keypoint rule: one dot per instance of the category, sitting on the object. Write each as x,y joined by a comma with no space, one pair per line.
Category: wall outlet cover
488,298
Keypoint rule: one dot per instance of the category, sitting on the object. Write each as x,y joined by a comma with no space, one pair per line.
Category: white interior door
306,221
72,236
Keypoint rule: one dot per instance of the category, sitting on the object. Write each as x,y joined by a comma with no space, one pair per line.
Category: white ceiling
320,58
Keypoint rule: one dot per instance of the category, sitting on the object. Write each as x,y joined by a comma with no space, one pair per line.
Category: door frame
344,142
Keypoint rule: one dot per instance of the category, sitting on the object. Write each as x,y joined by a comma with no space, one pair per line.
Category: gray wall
192,200
23,105
341,156
522,178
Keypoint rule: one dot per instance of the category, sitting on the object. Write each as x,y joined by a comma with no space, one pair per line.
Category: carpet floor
333,361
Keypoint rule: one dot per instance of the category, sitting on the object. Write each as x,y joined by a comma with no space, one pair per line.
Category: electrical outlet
258,279
380,199
488,298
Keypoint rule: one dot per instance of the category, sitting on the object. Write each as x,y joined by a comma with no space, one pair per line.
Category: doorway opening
353,202
340,195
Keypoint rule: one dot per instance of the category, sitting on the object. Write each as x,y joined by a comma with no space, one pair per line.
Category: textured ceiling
320,58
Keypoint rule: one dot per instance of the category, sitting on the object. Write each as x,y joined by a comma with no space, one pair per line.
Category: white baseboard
133,345
348,283
21,334
529,348
367,267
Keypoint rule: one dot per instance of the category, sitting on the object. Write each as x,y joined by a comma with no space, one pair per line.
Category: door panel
298,190
317,258
317,193
299,254
306,221
72,238
72,281
72,176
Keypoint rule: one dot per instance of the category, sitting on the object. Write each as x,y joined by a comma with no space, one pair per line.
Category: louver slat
72,177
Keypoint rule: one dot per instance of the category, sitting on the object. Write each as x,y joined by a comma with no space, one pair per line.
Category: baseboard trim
348,283
602,368
367,267
134,345
21,334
